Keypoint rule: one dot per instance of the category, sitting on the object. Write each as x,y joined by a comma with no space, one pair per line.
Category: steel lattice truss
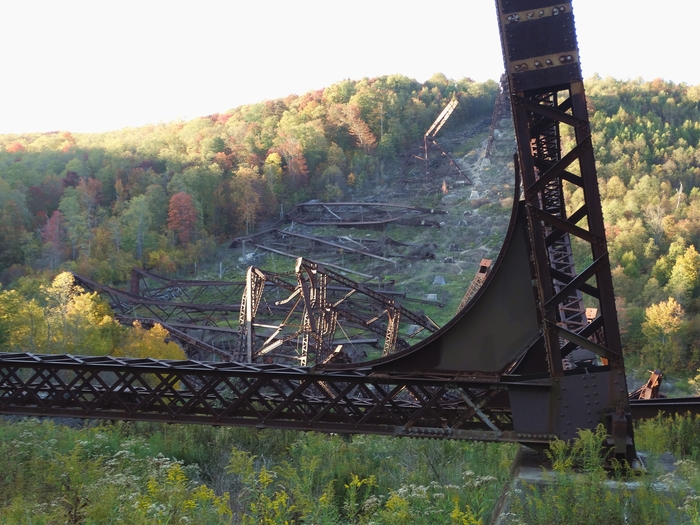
321,317
265,396
430,138
319,312
477,282
273,396
547,95
334,251
501,111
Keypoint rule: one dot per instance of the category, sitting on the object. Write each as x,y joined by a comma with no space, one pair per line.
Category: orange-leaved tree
182,216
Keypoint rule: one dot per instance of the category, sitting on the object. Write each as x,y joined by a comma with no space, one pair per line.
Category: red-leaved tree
182,216
52,235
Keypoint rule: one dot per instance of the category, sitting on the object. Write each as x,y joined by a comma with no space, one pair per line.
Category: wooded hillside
166,195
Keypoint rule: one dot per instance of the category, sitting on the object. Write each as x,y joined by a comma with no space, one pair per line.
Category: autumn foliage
163,196
168,193
64,318
182,216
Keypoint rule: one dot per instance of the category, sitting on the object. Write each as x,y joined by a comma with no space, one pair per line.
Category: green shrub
580,491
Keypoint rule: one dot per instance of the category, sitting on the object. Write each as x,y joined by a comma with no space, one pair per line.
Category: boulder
450,200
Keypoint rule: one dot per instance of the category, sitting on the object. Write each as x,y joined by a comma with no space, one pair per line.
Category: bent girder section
474,341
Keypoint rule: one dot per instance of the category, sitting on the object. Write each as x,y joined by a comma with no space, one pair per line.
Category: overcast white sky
99,65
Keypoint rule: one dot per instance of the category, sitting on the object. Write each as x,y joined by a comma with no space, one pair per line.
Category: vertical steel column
255,284
392,329
548,100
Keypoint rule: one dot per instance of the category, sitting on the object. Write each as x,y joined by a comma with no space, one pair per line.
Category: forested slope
165,195
646,136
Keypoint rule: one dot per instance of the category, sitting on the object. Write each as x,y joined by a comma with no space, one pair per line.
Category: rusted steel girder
327,250
318,314
273,396
430,138
289,238
501,110
361,214
264,396
460,383
152,286
477,282
650,389
305,323
255,281
442,118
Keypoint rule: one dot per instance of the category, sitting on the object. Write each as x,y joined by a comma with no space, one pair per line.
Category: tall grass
579,490
153,473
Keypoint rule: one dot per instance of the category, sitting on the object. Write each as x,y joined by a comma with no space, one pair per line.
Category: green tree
684,276
21,322
350,117
52,234
158,206
245,196
62,319
137,219
662,324
664,265
201,182
76,222
143,343
630,264
272,171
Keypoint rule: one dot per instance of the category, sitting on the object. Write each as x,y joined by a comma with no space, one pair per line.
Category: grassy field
152,473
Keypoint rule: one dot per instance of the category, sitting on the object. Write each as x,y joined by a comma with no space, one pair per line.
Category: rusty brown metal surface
501,111
430,138
472,343
477,282
650,389
541,61
289,238
651,408
265,396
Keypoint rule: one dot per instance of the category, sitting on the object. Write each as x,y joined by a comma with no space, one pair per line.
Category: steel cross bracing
265,396
544,74
363,214
271,396
323,317
477,282
494,372
501,111
339,248
545,143
319,307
